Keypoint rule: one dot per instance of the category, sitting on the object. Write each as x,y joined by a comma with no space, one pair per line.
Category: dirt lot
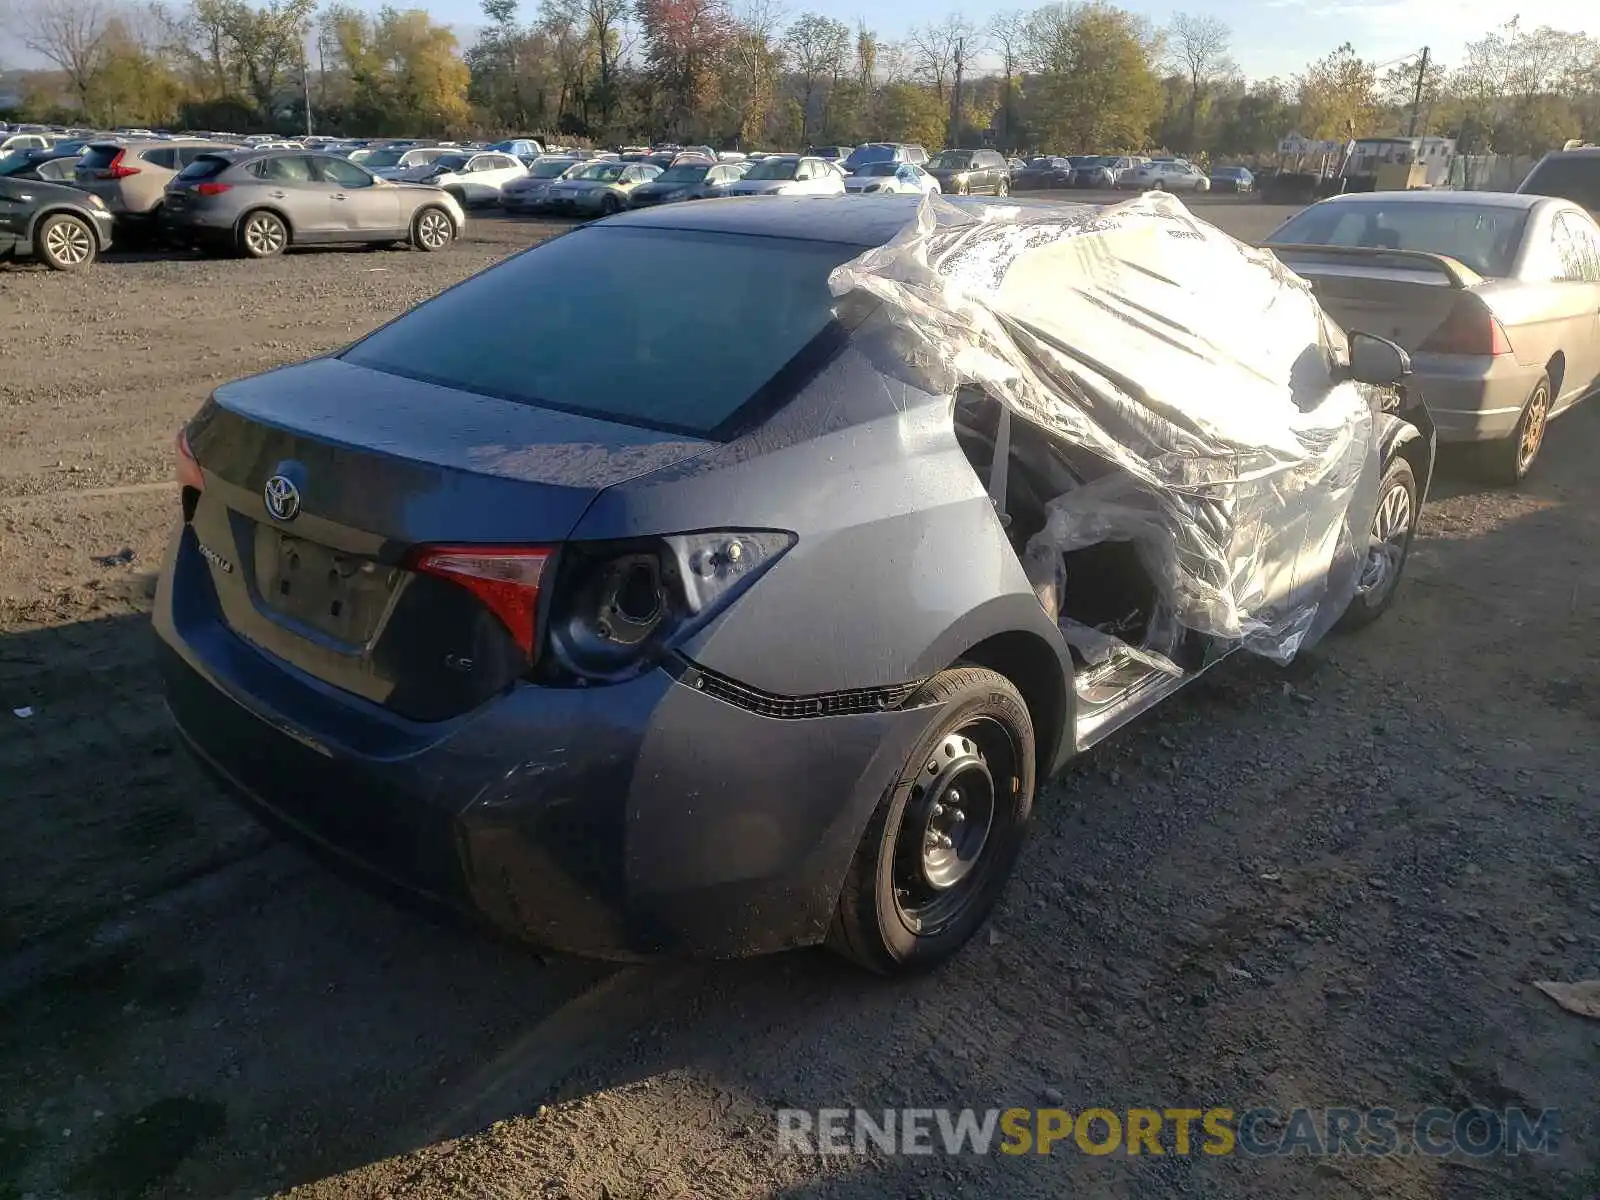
1332,885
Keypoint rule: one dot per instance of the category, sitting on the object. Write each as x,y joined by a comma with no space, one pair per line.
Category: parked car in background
1044,173
1569,174
598,189
970,172
524,149
687,181
831,153
24,141
260,202
1231,179
132,177
471,176
888,178
790,175
1170,176
527,194
871,152
393,164
52,165
1495,294
63,227
1100,170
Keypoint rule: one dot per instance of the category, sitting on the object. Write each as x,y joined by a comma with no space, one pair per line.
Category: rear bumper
641,819
1474,399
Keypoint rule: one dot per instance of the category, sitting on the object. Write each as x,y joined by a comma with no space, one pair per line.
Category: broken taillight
505,578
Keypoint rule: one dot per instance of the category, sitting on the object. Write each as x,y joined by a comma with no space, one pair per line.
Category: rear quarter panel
900,564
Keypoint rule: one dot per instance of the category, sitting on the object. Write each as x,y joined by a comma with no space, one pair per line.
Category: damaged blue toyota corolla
725,577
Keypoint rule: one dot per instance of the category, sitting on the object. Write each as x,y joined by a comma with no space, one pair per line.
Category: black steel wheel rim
955,815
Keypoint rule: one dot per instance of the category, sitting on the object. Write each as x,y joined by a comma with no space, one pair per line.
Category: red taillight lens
505,578
213,189
115,169
188,468
1470,329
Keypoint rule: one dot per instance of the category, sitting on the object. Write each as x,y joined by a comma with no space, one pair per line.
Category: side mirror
1377,360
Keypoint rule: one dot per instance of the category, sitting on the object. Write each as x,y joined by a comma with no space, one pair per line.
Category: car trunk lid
1404,296
323,481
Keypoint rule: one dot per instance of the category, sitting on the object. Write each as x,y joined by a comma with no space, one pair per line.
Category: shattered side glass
1199,366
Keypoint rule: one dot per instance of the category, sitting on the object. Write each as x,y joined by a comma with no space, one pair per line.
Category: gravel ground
1332,885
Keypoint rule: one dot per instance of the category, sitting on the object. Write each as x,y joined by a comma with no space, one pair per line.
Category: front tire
432,230
942,843
1507,462
64,242
610,206
1394,524
262,234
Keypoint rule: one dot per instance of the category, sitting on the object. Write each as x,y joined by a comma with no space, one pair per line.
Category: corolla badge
282,498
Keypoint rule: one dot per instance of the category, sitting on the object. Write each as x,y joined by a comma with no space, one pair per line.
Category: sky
1270,37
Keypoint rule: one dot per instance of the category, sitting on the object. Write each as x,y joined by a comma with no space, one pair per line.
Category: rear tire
262,234
64,242
1507,462
432,230
937,853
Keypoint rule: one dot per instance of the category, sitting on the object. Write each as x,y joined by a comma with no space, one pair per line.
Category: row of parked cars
256,196
1127,172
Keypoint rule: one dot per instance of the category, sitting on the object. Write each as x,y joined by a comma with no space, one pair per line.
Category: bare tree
937,48
1008,36
1199,48
816,46
72,34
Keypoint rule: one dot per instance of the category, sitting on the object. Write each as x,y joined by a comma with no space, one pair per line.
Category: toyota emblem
282,497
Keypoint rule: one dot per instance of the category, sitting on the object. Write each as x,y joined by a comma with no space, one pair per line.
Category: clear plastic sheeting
1199,368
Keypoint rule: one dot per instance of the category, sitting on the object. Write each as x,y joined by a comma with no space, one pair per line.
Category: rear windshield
1484,237
869,153
552,169
205,167
774,168
1574,177
98,158
581,323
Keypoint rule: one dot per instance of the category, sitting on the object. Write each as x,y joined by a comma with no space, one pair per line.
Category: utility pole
954,137
305,76
1416,99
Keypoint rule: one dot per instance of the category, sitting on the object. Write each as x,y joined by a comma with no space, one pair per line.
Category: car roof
843,220
1521,200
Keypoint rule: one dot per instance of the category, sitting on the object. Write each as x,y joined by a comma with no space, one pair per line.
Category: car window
1574,177
206,166
1485,237
166,157
345,174
606,340
291,168
1587,236
1577,257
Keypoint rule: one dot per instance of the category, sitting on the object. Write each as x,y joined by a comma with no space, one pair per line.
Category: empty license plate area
341,595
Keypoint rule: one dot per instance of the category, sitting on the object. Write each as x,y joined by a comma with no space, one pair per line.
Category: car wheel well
265,208
1030,663
65,210
1556,368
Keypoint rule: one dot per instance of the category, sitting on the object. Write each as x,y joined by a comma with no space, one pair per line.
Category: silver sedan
1495,295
